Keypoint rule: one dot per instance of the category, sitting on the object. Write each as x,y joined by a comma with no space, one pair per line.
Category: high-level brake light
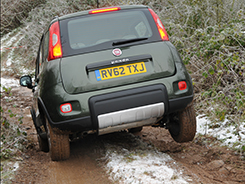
162,31
102,10
55,49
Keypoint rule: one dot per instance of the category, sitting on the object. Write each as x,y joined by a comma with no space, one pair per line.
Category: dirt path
37,167
210,164
201,161
82,166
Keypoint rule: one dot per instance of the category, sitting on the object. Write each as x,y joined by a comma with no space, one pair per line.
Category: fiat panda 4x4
107,70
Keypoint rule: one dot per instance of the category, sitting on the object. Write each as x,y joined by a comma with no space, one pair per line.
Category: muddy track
198,161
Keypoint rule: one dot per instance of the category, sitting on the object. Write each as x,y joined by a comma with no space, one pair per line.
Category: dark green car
106,70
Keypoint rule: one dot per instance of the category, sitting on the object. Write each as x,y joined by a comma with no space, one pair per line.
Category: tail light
102,10
55,49
163,33
66,108
182,85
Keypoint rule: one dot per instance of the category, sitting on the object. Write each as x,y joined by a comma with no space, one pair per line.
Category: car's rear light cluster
66,108
163,33
182,85
55,48
102,10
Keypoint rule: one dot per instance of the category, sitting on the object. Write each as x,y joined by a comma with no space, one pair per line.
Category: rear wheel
59,145
183,125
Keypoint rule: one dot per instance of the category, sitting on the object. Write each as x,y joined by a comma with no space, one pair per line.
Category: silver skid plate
131,115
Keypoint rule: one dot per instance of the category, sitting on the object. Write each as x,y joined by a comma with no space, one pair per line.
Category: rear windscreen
94,32
96,29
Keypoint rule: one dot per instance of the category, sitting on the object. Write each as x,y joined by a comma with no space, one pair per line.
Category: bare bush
13,138
13,12
210,36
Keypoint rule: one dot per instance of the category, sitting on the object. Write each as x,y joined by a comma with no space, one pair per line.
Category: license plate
120,71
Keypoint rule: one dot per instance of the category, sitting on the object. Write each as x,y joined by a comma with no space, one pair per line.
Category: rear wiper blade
120,42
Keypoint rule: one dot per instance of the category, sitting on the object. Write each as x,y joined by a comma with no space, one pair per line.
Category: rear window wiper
120,42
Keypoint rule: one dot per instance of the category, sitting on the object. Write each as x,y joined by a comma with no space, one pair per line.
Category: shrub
13,12
13,138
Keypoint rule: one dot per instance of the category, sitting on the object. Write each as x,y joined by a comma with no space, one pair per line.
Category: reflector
54,39
66,108
182,85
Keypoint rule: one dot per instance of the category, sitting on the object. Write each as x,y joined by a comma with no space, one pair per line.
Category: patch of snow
150,168
228,134
25,71
6,98
10,41
4,38
9,83
202,124
9,62
16,166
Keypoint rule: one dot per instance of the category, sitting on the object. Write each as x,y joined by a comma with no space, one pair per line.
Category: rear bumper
116,107
124,109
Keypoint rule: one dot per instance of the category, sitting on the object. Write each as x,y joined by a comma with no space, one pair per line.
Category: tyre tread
187,123
59,145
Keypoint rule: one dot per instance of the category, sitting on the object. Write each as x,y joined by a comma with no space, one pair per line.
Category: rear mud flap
38,125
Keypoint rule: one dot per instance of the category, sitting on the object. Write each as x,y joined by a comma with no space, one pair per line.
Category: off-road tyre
59,145
183,125
43,144
135,130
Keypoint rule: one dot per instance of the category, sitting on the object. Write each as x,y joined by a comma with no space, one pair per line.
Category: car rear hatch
114,48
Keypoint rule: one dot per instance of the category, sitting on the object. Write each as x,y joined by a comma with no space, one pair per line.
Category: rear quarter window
46,44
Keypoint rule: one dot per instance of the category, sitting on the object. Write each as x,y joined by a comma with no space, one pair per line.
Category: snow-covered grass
9,167
11,54
8,83
231,135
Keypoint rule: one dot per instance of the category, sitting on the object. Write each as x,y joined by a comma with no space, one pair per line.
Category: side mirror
26,81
